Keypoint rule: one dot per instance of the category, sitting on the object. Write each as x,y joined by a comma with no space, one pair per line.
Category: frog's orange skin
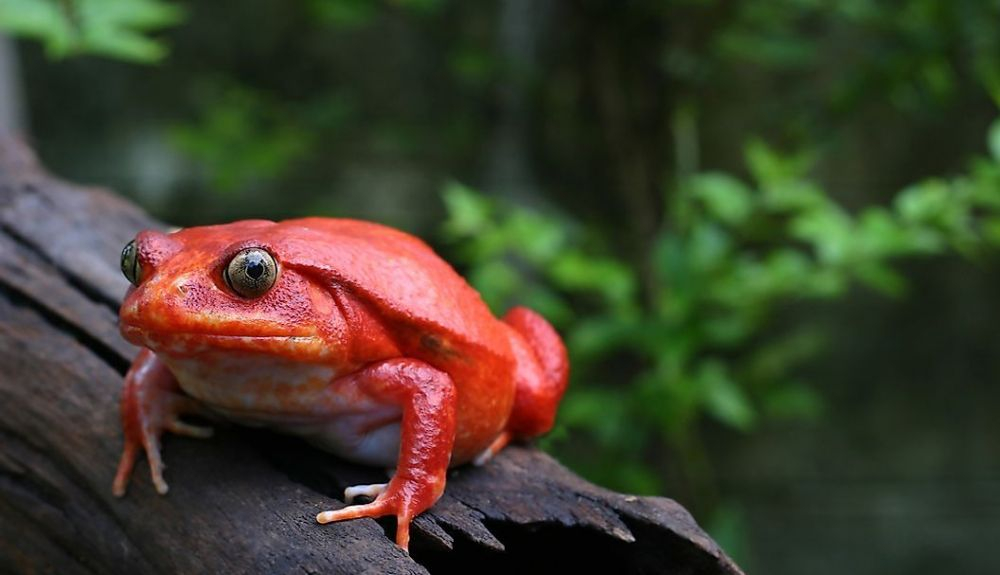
368,344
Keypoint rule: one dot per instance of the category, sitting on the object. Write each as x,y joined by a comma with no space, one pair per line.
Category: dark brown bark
244,501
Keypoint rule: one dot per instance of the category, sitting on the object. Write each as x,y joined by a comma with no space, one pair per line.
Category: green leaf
923,202
993,139
469,213
769,167
880,235
536,238
727,330
575,271
44,20
114,28
671,261
709,247
725,197
793,401
723,397
597,336
984,184
829,230
881,277
793,195
991,229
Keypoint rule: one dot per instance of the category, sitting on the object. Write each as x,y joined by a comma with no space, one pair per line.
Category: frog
353,335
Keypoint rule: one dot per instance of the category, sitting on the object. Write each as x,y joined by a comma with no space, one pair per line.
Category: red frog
354,335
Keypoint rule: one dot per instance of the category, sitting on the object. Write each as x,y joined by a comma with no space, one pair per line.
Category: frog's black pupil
255,267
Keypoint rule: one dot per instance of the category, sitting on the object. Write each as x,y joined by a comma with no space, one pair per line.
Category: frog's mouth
302,347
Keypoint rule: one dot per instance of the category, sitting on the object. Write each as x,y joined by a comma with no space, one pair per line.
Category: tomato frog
353,335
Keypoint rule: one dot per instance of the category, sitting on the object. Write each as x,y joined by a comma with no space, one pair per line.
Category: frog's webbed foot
404,498
152,403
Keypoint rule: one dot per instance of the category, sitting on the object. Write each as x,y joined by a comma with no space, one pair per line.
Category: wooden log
244,501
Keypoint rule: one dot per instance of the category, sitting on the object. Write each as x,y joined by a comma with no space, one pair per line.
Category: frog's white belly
291,397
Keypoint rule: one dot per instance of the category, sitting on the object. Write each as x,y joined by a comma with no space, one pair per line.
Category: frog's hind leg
541,375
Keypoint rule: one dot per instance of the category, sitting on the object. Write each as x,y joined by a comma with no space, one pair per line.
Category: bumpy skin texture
368,344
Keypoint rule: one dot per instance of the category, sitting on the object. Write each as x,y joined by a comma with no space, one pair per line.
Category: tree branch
244,501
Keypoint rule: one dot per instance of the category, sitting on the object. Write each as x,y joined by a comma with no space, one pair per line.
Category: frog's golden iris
251,272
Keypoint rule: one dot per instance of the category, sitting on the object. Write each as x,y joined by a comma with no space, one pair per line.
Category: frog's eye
251,272
130,263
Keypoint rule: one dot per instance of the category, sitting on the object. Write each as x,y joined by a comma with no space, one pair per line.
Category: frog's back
395,272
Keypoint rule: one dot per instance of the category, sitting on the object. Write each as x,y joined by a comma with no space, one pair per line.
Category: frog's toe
125,465
377,508
156,467
182,428
371,491
161,486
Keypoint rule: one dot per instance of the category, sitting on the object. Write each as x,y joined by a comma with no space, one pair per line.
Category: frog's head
221,287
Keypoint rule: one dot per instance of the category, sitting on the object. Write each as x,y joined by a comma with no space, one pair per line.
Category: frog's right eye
130,263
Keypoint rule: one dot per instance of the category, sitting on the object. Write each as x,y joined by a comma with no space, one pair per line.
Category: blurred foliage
357,13
114,28
726,260
243,139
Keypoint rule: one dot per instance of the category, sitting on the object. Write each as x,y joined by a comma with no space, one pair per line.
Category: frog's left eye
251,272
130,263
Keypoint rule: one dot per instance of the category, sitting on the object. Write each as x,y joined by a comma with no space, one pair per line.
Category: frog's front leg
426,397
152,402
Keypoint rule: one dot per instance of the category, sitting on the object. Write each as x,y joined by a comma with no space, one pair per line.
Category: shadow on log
244,501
